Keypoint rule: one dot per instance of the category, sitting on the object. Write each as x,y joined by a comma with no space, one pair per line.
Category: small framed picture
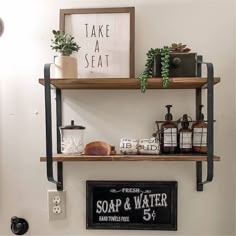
106,38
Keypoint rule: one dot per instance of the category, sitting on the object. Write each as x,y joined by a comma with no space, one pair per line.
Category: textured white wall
206,26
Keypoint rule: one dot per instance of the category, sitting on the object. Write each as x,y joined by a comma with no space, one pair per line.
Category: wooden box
181,65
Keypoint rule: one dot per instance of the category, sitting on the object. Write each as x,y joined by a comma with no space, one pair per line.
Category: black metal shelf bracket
48,122
210,122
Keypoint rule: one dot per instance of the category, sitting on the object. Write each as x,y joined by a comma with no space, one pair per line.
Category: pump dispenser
200,134
185,136
168,115
169,133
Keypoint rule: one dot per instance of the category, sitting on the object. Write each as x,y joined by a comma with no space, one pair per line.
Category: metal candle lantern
72,139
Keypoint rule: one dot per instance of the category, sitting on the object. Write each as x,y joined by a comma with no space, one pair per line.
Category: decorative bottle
185,136
200,134
169,133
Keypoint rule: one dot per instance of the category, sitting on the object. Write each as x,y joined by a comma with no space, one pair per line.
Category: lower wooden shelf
178,157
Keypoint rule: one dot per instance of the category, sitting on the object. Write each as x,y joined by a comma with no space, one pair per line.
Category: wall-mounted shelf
197,83
65,158
128,83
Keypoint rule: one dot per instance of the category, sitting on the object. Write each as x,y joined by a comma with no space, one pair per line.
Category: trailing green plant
165,64
64,43
147,73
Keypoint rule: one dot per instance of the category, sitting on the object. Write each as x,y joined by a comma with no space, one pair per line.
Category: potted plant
65,64
173,61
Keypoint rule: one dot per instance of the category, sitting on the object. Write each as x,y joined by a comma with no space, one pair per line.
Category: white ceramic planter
65,67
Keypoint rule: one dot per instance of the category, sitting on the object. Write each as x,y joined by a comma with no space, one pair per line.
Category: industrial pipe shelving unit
198,83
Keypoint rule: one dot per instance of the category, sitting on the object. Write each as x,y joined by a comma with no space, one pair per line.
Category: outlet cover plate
52,195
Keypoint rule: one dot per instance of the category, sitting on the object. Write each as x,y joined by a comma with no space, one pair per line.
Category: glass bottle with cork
169,133
200,134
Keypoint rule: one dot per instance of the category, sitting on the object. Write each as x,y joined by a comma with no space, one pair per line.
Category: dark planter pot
181,65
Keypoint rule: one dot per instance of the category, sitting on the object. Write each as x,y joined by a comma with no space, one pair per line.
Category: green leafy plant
147,73
64,43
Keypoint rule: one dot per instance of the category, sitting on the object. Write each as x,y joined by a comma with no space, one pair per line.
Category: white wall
206,26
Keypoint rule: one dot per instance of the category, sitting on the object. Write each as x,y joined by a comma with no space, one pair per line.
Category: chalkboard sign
150,205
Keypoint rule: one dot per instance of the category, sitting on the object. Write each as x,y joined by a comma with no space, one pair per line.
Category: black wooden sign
145,205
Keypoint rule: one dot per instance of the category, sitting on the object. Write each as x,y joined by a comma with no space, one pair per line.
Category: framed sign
149,205
106,38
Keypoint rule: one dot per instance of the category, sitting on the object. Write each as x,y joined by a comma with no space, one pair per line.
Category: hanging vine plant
165,64
147,73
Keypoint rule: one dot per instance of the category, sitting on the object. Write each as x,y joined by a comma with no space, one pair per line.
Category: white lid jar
72,139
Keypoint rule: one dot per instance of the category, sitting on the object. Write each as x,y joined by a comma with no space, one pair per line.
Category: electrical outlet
56,204
56,210
56,199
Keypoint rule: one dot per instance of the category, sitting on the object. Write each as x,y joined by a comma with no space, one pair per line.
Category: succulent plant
179,48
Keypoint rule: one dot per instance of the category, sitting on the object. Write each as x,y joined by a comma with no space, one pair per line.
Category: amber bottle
200,134
169,134
185,136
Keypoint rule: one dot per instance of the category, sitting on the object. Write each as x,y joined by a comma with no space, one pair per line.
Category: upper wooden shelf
177,157
128,83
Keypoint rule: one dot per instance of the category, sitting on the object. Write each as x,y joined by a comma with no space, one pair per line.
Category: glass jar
72,139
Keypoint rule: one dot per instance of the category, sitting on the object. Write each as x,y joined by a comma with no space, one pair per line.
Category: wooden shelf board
128,83
62,157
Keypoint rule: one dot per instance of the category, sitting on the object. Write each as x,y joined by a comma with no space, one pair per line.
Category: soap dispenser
185,136
169,133
200,134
